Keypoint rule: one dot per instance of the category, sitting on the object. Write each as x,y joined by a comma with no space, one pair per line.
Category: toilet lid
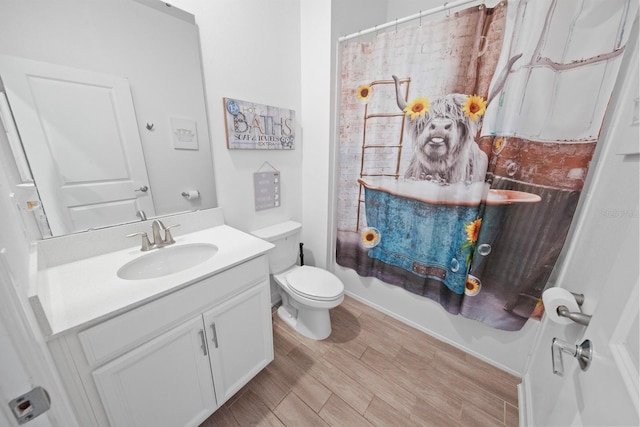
314,283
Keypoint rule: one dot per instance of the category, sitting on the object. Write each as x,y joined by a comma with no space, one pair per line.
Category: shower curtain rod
444,7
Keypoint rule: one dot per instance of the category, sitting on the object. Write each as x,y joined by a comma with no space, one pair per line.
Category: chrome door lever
583,352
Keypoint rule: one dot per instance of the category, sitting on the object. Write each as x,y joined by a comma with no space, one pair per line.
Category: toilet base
314,324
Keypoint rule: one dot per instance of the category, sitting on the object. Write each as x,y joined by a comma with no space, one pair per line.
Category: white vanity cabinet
238,349
165,382
174,360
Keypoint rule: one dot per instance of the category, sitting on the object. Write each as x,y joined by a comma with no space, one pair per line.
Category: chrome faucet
157,228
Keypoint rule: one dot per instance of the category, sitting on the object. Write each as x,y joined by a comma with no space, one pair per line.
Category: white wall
13,233
316,116
251,52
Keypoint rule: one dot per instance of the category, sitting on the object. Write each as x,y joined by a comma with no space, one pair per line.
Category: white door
166,382
603,265
240,340
22,359
15,377
80,135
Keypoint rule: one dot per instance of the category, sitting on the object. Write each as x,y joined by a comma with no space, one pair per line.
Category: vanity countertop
76,293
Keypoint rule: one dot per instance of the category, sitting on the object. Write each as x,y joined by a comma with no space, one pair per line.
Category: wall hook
149,126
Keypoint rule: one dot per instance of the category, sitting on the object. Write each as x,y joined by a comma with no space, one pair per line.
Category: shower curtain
464,143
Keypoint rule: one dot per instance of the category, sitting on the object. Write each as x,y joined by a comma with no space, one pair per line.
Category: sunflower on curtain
460,193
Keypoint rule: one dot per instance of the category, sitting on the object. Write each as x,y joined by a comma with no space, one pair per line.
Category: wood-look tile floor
372,370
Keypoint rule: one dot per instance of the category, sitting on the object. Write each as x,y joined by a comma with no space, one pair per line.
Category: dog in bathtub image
443,130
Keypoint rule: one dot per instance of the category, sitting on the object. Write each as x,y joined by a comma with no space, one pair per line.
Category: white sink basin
167,260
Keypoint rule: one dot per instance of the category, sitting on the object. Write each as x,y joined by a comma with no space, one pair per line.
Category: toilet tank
286,237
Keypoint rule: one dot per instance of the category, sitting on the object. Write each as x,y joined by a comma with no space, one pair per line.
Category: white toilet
307,292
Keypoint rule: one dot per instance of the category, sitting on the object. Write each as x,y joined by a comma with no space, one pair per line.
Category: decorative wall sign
258,127
184,134
266,188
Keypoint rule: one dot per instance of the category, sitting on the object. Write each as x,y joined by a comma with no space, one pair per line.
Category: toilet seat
314,283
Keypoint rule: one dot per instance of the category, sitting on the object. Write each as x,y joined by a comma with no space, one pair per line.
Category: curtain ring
447,11
420,19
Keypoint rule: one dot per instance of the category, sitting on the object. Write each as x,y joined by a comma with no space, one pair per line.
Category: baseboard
524,403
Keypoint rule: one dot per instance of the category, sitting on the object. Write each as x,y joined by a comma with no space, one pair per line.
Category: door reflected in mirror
103,95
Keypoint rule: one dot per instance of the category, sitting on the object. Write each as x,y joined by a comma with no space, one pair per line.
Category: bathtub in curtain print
431,230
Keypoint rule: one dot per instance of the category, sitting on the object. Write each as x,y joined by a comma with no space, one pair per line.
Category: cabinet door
240,339
165,382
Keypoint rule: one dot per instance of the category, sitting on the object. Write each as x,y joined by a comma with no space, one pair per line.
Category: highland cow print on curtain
464,143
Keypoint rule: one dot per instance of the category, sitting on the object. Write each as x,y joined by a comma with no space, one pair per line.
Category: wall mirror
106,98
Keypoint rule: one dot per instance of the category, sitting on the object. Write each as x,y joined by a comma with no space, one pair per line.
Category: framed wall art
252,126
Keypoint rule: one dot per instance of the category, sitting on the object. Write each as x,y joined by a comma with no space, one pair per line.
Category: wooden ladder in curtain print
405,81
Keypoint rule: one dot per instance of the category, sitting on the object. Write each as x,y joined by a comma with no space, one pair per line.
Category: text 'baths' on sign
258,127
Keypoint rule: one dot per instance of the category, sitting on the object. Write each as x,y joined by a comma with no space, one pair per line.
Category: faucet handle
146,244
168,238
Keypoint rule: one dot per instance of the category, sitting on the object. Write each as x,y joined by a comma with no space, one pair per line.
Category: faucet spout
156,227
